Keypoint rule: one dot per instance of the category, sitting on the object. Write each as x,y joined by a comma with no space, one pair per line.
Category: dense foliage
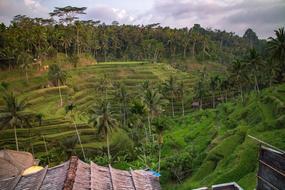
41,38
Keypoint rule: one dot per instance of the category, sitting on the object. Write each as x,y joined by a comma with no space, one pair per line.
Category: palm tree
102,118
25,60
103,85
12,113
123,99
214,83
277,47
255,64
171,88
200,91
160,126
239,75
68,145
181,92
57,77
153,101
225,84
69,109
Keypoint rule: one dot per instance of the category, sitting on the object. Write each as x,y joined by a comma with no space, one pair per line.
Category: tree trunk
213,100
16,137
184,52
193,49
79,139
182,104
159,157
172,106
201,104
65,49
149,128
108,147
27,77
241,93
59,91
256,84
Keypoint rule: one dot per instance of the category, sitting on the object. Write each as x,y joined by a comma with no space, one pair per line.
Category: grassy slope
80,89
221,138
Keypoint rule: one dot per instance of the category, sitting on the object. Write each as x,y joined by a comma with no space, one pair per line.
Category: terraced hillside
214,144
80,89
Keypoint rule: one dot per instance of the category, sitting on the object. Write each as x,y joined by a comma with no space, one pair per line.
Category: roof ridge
71,173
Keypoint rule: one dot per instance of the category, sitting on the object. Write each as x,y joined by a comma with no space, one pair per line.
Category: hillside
213,145
81,90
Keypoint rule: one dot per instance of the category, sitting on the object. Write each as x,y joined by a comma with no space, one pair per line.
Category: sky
263,16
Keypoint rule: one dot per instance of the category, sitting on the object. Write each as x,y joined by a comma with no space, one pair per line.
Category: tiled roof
78,175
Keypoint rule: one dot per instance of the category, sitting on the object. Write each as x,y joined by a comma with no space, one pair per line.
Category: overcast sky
263,16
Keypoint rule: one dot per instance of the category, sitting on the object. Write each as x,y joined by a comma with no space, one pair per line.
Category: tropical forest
191,103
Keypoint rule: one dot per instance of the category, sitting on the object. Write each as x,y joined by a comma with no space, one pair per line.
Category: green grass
220,136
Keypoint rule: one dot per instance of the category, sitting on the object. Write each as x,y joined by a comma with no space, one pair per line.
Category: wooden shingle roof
77,175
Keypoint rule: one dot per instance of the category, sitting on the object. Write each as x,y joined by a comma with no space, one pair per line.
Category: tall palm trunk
201,104
256,84
27,77
182,104
241,93
159,157
213,99
16,137
193,49
149,127
172,106
59,91
79,139
108,147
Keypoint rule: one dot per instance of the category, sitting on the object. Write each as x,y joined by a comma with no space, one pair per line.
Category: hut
13,163
78,175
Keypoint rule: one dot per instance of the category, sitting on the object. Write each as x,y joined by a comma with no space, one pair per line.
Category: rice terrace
130,95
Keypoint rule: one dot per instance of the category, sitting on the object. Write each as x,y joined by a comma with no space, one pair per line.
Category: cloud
261,15
108,14
10,8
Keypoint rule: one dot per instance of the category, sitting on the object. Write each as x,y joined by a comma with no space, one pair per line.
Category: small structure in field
77,175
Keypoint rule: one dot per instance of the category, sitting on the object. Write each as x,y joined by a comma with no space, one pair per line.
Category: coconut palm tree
69,109
25,61
214,84
181,93
154,102
238,72
277,47
200,91
255,64
12,113
160,125
103,85
68,145
57,77
102,118
224,87
171,88
123,98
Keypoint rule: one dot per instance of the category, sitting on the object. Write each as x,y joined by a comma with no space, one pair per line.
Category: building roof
78,175
12,163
